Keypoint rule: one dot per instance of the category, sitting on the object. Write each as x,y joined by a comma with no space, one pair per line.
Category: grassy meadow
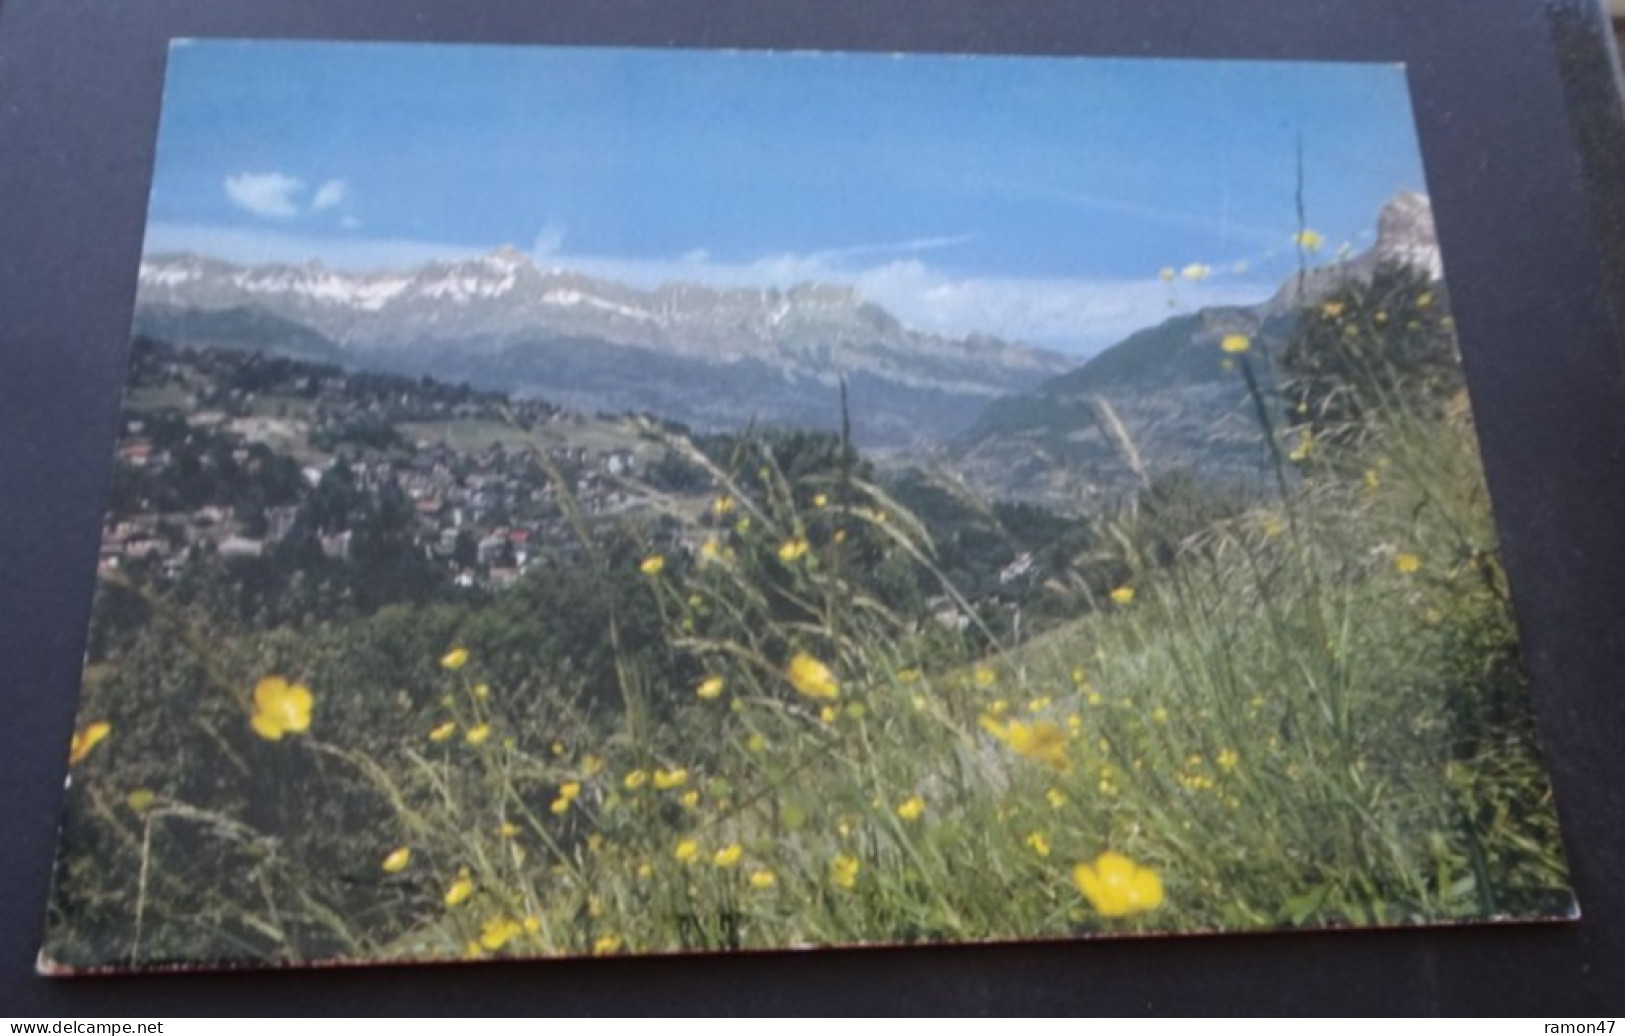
1307,711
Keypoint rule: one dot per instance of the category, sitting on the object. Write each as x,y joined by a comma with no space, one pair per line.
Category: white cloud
549,241
272,195
329,195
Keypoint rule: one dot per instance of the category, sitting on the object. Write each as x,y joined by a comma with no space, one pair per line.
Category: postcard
588,501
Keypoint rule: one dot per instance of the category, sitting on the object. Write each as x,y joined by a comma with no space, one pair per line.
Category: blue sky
1032,197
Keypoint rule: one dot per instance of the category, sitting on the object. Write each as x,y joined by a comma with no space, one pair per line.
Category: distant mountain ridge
723,357
1168,388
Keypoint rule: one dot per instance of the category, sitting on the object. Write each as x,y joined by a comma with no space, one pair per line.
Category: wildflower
1166,274
635,780
998,708
742,526
1309,240
907,676
843,871
756,743
532,924
140,799
595,842
606,945
478,734
454,659
560,806
911,808
84,740
985,677
1196,272
591,765
471,950
1079,677
820,500
460,889
1159,715
793,549
1123,595
686,849
646,870
665,779
1074,722
1228,759
498,931
812,678
762,879
1306,444
443,731
396,861
507,829
1038,844
1095,698
710,688
856,710
482,691
722,505
1042,742
569,790
1381,316
728,855
1039,704
840,536
279,708
1273,527
1235,344
690,798
1424,300
1332,310
827,714
1407,563
1116,886
651,565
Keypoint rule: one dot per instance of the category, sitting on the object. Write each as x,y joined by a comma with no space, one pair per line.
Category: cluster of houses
486,514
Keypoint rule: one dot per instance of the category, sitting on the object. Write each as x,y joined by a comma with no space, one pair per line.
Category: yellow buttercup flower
820,500
1228,759
454,659
141,799
665,779
911,808
591,765
532,925
1043,742
280,708
1305,446
1038,844
686,850
762,879
1116,886
606,945
478,734
843,871
498,931
460,890
1159,714
397,861
443,731
651,565
811,677
1407,563
559,806
93,734
985,677
1235,344
793,549
1056,798
728,855
722,505
827,714
635,780
710,688
569,790
690,798
481,691
1123,595
1309,240
1332,310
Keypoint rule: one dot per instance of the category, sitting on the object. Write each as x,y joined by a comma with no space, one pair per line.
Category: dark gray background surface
1525,145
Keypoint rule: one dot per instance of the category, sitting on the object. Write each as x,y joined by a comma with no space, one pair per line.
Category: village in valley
225,454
